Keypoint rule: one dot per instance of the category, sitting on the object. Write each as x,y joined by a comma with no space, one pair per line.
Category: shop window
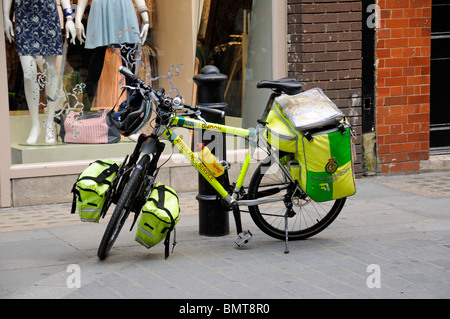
234,34
237,37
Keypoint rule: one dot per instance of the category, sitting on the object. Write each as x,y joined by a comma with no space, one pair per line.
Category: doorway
440,81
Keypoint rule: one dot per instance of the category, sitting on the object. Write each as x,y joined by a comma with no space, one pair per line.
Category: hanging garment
111,22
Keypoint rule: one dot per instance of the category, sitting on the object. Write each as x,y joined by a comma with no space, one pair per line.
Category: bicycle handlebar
134,78
206,110
174,103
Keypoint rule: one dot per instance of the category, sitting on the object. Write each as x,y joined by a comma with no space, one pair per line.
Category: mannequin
110,22
38,42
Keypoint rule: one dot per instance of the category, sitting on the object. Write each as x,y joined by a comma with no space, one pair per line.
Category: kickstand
286,245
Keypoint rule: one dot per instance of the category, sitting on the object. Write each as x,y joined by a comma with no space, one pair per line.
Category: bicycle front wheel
123,208
307,217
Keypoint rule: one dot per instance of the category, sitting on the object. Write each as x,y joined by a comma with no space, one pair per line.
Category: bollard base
213,219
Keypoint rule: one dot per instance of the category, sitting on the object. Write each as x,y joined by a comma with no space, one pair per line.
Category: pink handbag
88,128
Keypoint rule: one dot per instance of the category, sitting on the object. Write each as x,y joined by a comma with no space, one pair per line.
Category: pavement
391,241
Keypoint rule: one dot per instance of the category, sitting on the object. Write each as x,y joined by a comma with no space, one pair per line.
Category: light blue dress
111,22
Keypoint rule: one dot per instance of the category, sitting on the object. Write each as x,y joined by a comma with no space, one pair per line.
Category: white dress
111,22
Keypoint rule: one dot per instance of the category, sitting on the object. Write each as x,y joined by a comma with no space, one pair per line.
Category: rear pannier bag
326,164
92,188
160,214
311,126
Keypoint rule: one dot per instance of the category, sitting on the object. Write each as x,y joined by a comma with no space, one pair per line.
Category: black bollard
213,216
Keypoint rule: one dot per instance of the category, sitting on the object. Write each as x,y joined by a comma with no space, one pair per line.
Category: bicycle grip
132,77
211,111
128,74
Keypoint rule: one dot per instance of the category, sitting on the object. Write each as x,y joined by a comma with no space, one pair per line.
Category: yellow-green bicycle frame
178,142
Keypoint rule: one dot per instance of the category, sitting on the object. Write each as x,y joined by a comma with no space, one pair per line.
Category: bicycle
276,203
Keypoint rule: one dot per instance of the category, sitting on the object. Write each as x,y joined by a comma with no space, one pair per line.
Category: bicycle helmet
133,113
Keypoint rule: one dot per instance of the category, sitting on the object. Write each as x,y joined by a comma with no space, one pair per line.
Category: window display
37,33
63,65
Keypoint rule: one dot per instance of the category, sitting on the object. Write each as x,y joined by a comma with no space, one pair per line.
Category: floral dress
37,28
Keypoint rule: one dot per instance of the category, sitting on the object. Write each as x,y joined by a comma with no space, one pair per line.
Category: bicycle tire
123,208
310,217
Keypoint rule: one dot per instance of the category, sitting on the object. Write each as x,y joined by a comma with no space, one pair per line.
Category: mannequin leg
96,61
52,90
32,95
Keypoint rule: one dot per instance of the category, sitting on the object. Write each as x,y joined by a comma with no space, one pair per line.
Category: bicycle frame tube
178,142
197,124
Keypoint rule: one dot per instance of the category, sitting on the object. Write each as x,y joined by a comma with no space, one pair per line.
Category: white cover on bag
309,109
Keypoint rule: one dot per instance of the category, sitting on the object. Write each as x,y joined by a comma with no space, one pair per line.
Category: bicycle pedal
243,238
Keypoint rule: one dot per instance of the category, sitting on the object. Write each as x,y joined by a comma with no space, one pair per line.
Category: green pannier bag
326,164
160,214
92,188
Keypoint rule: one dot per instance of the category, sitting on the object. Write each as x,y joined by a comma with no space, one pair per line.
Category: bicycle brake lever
197,113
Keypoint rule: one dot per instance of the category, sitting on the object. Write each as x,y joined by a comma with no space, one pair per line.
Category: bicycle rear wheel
123,208
307,217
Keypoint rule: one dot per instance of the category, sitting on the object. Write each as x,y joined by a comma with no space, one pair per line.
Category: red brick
395,168
418,99
408,166
396,119
408,147
385,169
415,61
417,137
396,43
397,23
409,32
396,138
418,42
397,81
396,129
396,90
418,118
395,148
408,109
391,4
418,80
383,129
396,62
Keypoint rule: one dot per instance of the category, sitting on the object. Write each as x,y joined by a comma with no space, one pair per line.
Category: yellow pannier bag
280,133
159,217
92,188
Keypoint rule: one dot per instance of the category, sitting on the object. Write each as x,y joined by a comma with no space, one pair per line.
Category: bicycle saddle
289,86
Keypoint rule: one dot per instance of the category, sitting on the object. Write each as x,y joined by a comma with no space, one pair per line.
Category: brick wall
403,84
325,51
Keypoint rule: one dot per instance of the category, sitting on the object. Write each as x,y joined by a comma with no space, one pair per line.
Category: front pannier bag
92,188
159,217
